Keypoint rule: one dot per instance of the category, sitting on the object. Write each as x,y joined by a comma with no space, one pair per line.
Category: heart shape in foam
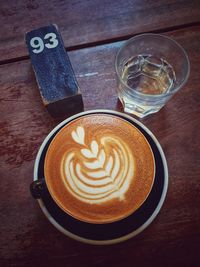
95,174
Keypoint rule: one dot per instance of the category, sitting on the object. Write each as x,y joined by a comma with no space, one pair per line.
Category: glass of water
151,68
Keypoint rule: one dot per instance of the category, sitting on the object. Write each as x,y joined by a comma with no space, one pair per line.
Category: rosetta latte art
99,171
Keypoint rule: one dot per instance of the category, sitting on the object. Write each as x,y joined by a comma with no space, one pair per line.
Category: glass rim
126,43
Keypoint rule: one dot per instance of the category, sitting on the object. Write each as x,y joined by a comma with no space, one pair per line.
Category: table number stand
54,73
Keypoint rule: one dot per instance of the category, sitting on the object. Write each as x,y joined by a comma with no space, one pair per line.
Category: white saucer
145,211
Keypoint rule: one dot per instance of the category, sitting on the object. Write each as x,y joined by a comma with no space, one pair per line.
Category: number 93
38,44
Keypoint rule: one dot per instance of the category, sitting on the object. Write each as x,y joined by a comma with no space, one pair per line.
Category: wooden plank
83,22
27,238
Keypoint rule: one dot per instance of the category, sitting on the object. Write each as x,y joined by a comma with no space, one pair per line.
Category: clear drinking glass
151,68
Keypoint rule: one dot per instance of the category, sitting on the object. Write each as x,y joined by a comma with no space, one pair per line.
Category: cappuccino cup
98,169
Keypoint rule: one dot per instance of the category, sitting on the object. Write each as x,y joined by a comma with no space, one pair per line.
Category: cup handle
37,188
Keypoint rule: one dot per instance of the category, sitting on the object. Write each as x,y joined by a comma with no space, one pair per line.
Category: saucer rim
147,222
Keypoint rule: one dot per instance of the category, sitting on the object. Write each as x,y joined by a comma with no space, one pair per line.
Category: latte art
100,170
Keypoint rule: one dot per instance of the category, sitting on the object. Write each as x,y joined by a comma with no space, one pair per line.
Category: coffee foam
99,171
99,168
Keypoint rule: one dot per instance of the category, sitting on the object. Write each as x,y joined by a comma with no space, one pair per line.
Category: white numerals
38,44
53,42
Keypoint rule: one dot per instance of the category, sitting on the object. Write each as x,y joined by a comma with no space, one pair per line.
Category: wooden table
93,31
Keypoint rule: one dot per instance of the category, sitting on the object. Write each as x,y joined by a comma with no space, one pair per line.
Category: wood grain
91,21
27,238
